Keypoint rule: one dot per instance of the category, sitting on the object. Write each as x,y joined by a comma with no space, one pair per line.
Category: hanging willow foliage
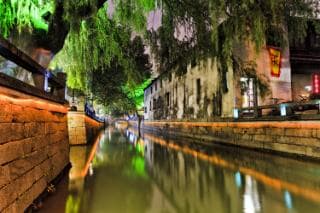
211,28
24,14
217,26
92,47
133,13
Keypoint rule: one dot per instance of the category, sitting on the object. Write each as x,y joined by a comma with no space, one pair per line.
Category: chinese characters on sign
315,83
275,59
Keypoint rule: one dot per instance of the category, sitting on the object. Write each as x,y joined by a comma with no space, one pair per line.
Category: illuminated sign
275,61
316,83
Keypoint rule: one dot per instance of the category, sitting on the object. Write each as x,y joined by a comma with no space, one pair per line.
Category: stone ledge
297,138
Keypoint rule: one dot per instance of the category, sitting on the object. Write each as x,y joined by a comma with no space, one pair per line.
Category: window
154,103
150,106
198,90
151,90
160,83
145,110
168,98
156,87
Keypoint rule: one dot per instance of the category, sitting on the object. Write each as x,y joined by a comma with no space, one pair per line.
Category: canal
123,173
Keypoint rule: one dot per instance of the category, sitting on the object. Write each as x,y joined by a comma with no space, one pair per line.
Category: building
203,93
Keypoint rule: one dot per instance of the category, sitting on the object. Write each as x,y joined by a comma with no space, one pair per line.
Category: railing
281,109
89,111
41,77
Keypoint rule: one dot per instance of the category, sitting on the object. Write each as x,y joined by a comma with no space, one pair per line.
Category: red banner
275,61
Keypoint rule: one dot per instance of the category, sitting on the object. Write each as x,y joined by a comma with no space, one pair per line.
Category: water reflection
124,173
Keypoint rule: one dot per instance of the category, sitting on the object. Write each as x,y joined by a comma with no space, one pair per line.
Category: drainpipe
255,98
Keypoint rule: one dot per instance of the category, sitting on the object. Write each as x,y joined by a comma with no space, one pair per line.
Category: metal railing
41,77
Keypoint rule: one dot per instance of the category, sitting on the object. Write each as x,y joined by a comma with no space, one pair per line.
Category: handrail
40,74
285,109
12,53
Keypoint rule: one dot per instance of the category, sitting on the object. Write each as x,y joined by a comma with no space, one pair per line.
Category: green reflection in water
73,204
139,166
178,178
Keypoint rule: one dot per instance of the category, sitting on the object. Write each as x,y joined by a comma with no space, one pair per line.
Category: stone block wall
34,147
293,137
82,129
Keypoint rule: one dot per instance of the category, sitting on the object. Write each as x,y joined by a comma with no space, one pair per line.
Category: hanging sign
316,84
275,59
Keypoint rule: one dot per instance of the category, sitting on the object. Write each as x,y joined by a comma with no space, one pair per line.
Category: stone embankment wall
34,147
82,128
291,137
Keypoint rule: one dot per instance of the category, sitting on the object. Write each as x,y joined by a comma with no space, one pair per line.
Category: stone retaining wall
293,137
34,147
82,128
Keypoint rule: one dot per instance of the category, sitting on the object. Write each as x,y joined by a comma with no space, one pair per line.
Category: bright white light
308,88
283,109
251,196
236,113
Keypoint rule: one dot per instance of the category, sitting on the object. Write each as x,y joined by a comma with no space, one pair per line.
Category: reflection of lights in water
251,196
110,135
100,156
131,138
102,140
148,151
288,200
238,179
139,166
90,170
140,147
275,183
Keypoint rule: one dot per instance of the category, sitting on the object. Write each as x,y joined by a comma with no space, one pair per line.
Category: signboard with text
275,61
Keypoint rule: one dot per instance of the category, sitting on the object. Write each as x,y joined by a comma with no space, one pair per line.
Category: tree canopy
93,42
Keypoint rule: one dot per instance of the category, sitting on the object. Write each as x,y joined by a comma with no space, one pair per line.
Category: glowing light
283,109
86,169
316,83
288,200
238,179
251,196
262,124
236,113
21,99
138,166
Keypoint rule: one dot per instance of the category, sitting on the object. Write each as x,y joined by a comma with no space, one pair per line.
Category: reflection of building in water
190,184
229,181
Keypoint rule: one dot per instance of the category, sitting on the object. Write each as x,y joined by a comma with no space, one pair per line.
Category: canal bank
151,173
298,138
34,142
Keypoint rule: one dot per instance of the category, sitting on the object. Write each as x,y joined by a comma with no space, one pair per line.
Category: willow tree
92,39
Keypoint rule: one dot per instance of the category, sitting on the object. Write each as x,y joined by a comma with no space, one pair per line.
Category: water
121,173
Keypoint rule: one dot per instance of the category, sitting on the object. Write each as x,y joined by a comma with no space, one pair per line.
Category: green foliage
92,46
137,93
133,13
101,57
217,26
27,14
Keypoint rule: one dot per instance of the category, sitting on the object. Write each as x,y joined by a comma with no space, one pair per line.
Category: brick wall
34,147
82,128
293,137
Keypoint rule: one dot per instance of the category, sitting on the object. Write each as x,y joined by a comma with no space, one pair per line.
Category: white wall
185,86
